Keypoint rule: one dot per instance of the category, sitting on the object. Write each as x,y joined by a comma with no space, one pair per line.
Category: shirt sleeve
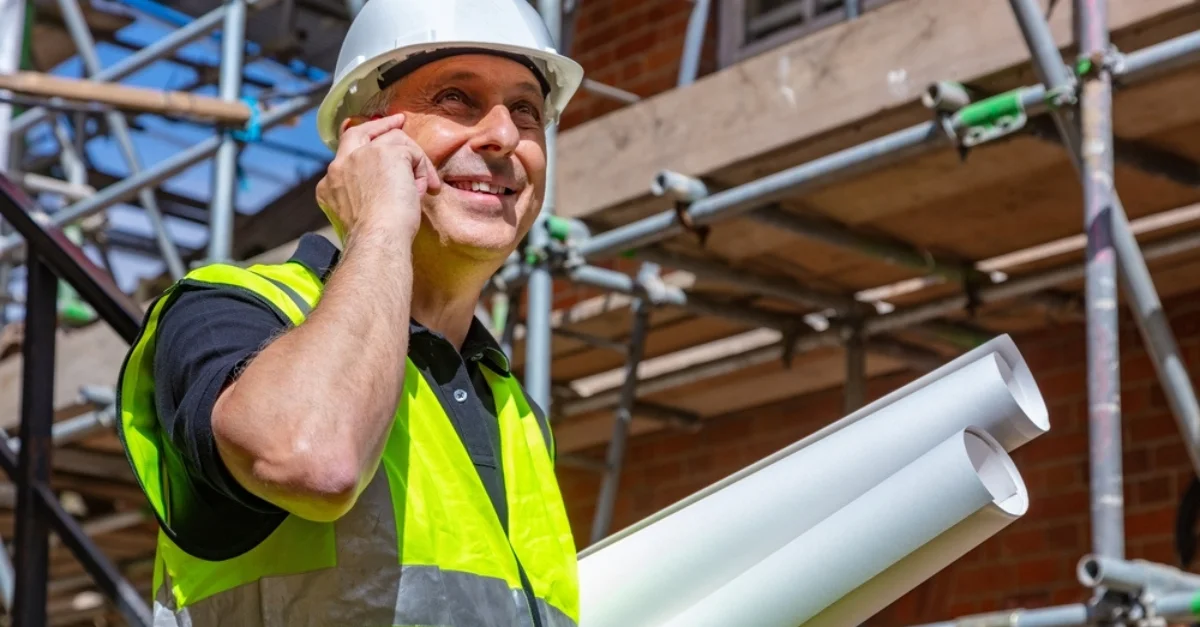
204,341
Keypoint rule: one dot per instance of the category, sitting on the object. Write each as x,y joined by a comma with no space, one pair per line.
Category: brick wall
635,45
1030,564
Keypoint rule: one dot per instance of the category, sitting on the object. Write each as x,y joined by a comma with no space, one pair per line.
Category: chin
483,241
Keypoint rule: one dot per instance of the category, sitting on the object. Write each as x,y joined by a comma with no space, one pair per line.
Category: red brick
1060,505
1064,384
1025,541
662,471
963,608
1036,599
1136,461
1054,446
1137,368
1155,490
980,578
1135,400
1161,550
1153,427
1170,455
1067,537
1151,522
1038,571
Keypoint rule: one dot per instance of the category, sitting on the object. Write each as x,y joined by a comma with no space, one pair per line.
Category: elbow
309,486
318,481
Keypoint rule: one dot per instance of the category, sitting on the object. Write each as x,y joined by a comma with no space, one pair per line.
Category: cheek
533,158
435,137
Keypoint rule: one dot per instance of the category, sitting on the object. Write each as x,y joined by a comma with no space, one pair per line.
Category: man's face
479,118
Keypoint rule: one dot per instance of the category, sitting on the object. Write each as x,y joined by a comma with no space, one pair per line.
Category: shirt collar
318,254
479,345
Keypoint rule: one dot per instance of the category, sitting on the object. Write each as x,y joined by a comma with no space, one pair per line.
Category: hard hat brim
564,74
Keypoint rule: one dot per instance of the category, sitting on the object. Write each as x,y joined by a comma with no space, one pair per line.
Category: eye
527,109
452,95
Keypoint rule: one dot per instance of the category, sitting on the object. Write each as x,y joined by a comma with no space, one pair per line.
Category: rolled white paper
910,509
902,577
662,566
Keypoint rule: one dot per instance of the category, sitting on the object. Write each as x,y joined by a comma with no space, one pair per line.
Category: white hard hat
387,33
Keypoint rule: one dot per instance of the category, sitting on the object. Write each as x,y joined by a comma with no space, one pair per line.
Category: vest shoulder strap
306,308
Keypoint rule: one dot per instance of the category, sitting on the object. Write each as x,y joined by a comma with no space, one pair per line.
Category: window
749,27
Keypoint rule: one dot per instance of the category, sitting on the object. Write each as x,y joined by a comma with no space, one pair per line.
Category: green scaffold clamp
73,310
990,118
559,228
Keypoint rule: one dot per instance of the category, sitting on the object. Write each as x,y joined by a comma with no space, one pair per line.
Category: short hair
377,104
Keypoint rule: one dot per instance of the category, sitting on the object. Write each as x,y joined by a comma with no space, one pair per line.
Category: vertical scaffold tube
1104,379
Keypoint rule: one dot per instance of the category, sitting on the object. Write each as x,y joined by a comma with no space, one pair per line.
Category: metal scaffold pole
693,43
540,289
1104,375
615,457
12,42
33,466
220,233
624,412
854,392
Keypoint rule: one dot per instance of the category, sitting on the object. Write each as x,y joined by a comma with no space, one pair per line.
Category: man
336,440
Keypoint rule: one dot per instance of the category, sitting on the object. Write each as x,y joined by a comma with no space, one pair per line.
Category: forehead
479,70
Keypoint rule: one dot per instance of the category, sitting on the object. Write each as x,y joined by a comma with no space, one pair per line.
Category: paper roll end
997,471
1023,386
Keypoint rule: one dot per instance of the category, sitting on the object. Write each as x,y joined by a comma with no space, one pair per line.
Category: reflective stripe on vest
421,546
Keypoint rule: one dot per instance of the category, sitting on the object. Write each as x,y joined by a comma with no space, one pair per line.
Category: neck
448,313
446,292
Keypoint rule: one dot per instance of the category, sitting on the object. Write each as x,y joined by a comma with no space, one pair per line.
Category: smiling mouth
482,188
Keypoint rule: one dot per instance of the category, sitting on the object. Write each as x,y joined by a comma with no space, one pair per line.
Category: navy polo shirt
204,341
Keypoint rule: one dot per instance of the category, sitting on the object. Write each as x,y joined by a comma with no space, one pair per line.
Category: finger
433,179
395,136
363,134
423,168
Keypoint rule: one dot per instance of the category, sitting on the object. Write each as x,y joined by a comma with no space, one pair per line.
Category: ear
353,121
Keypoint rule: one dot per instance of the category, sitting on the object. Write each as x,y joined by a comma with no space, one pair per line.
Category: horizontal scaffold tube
876,153
897,319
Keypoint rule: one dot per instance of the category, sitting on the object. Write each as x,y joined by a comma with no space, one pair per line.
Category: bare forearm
305,424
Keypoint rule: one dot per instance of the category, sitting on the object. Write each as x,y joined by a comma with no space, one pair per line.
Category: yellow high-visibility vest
423,545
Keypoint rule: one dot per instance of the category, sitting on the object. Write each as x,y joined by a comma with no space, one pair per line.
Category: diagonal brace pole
82,36
624,413
1139,287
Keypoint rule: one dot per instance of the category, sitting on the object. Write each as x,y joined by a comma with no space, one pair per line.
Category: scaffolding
1076,98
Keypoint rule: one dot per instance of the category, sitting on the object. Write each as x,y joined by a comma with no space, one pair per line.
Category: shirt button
460,395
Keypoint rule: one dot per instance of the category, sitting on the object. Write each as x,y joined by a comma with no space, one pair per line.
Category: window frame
733,48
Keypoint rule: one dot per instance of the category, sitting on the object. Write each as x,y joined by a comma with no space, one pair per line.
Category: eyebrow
467,75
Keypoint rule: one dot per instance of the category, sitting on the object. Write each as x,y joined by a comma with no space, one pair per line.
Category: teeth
478,186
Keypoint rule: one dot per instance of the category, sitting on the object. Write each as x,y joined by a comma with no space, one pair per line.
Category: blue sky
266,171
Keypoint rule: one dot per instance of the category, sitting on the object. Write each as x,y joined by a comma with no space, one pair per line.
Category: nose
496,133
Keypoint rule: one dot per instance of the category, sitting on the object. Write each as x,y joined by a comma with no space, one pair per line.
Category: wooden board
817,84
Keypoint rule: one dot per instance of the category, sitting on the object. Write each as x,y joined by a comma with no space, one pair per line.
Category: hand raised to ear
377,179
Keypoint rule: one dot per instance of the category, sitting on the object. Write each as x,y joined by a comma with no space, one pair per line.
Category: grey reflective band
369,588
355,597
553,617
300,302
